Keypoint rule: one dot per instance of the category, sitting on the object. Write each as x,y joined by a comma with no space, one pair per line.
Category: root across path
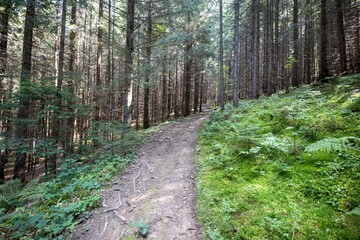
155,195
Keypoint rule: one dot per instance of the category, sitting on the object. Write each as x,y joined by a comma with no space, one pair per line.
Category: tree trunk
4,30
169,91
164,91
272,49
236,55
341,41
323,71
221,60
308,63
24,104
187,80
71,85
146,122
196,88
176,97
4,124
255,49
60,77
295,72
129,49
98,90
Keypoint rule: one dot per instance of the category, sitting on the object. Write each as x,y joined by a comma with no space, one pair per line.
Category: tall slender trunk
98,90
272,49
255,49
57,134
164,91
187,80
4,31
24,104
221,60
308,63
295,72
236,54
108,67
323,71
176,97
169,94
341,41
196,87
146,122
71,85
4,123
129,49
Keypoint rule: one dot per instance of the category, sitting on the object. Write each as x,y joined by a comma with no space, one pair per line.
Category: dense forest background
72,70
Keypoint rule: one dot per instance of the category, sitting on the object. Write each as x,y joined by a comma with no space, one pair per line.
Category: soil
157,191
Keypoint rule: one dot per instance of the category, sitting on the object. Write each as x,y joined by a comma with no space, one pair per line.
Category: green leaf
144,230
355,211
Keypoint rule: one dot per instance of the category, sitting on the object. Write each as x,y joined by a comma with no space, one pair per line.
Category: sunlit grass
256,181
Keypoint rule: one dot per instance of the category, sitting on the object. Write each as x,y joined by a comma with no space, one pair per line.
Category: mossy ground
258,180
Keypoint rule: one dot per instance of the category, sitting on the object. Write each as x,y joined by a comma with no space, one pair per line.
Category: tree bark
4,124
60,77
24,104
196,88
71,85
4,30
221,60
129,49
341,41
323,71
255,49
146,122
98,90
187,79
236,54
296,56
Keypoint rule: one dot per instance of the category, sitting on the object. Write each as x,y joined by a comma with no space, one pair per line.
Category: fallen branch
134,181
148,167
122,218
103,203
121,235
106,223
112,209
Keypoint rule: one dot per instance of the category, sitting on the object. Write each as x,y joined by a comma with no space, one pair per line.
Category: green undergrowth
283,167
50,208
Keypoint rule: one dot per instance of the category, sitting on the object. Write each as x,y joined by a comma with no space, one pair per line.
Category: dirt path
158,189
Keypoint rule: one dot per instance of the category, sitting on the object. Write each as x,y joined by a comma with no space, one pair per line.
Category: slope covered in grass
284,167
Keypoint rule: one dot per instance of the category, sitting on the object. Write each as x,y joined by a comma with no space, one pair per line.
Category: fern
32,191
10,188
334,144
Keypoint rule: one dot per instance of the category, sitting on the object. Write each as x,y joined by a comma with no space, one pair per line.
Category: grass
284,167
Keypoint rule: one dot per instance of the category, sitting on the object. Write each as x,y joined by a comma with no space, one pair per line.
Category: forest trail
158,190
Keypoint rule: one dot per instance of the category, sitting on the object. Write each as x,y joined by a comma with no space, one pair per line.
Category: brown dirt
158,189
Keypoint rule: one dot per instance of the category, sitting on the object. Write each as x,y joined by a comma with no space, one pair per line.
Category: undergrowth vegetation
283,167
50,208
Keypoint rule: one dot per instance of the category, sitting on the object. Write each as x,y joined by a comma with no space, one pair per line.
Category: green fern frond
334,144
32,191
10,188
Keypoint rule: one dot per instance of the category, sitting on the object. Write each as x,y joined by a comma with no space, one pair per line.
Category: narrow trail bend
158,189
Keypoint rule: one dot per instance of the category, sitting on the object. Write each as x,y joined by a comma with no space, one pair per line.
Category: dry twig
122,218
106,223
134,181
147,164
112,209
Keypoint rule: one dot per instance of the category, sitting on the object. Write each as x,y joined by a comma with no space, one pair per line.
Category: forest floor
156,194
